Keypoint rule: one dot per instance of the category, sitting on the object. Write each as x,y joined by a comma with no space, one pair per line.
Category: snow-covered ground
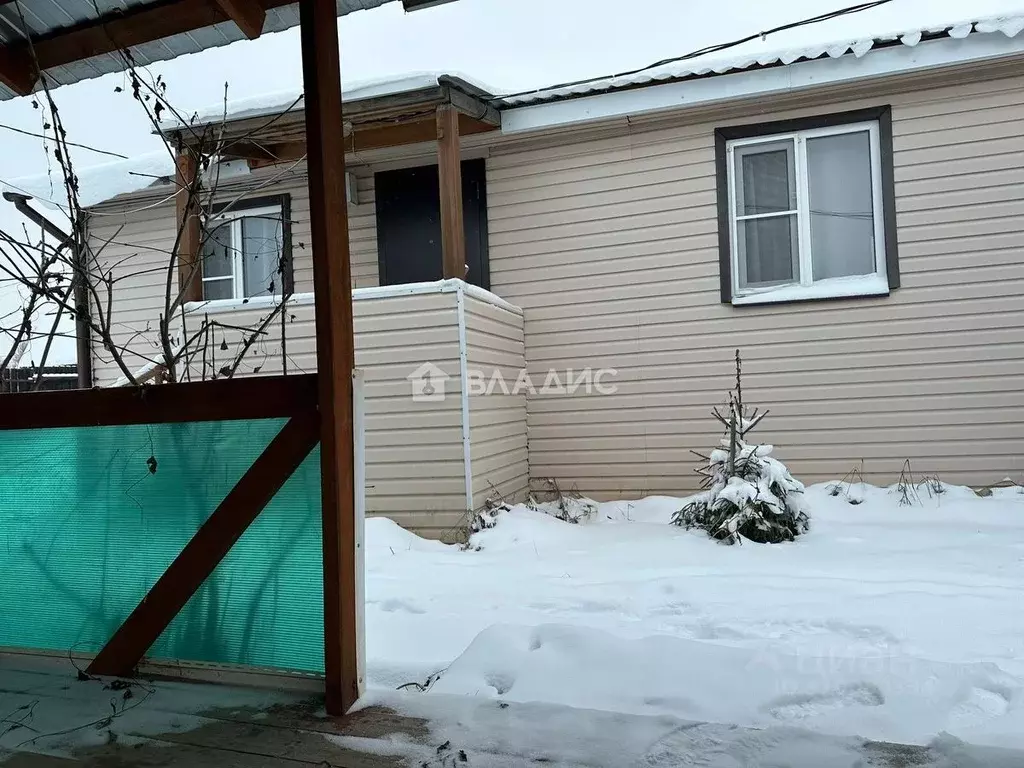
885,621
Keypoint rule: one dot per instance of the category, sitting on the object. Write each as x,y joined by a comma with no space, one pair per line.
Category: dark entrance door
409,224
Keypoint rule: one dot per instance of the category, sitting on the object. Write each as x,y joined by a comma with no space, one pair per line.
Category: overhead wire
716,48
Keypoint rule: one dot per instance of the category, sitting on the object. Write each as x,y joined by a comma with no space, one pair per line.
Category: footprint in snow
800,706
979,704
673,608
397,606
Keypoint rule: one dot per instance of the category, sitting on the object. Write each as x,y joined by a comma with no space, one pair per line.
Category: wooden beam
208,547
17,70
262,155
469,126
248,15
266,153
449,167
123,29
400,134
397,135
190,268
261,397
332,289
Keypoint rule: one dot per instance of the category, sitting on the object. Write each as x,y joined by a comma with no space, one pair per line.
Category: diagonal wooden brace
208,546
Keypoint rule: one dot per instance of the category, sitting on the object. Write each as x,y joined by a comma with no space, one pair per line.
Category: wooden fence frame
21,64
291,397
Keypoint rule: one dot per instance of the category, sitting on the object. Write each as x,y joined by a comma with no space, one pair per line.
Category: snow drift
888,621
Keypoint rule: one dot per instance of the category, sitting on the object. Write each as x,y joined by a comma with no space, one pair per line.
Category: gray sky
508,44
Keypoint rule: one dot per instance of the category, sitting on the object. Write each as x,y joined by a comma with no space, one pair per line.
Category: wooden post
187,202
249,15
332,289
449,172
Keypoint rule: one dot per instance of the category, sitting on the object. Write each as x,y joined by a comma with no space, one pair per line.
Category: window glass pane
221,288
262,244
216,252
842,222
767,251
765,178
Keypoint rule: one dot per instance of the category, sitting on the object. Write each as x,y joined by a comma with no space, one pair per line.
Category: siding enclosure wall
610,246
603,249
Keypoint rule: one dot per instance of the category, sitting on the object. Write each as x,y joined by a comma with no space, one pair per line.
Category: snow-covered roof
357,90
100,182
901,24
904,22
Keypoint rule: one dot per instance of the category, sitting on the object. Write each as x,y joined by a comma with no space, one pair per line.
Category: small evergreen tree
747,493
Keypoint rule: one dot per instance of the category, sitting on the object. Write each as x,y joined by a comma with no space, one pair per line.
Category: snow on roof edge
711,65
102,183
98,183
276,102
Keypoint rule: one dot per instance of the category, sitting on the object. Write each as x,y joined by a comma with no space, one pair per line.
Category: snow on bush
748,493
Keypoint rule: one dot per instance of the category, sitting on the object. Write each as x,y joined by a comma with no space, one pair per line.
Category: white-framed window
243,253
805,214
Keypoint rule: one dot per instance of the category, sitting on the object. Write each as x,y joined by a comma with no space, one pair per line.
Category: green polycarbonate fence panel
91,517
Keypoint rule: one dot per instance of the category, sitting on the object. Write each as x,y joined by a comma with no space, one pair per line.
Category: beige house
851,218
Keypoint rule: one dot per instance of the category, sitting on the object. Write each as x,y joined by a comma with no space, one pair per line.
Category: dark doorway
409,224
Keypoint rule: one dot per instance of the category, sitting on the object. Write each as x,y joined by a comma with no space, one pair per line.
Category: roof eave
765,80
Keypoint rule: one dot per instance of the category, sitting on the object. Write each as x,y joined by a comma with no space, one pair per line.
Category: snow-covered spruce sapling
747,493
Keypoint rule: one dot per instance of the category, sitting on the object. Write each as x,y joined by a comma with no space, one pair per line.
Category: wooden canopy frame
442,113
319,407
21,64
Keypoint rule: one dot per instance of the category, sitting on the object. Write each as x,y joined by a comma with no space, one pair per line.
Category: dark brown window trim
723,135
285,201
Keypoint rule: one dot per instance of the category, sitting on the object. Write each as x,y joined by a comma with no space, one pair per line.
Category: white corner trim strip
467,458
794,77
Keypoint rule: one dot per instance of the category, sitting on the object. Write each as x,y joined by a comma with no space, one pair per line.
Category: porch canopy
412,110
47,43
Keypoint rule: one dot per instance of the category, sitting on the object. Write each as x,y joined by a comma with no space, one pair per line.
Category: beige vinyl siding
415,467
362,231
610,247
137,236
498,446
133,247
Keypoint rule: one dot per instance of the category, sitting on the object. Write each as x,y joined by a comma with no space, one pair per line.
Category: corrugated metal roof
43,17
762,54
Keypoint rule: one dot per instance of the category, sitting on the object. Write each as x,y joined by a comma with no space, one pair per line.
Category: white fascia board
898,59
